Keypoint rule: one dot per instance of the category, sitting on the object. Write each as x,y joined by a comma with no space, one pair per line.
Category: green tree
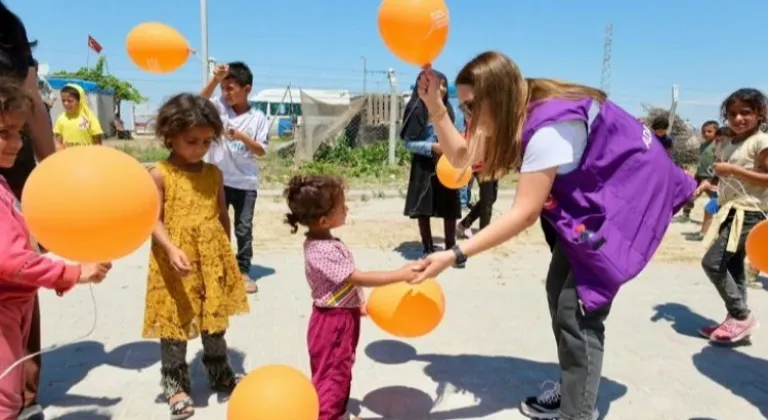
124,91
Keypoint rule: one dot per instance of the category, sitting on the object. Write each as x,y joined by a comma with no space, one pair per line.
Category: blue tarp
88,87
284,125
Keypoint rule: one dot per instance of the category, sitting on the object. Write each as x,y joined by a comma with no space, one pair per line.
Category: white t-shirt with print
237,163
558,145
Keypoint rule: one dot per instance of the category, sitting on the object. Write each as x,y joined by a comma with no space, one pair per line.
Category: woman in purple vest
586,166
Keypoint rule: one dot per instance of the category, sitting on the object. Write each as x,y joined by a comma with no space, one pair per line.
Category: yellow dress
180,308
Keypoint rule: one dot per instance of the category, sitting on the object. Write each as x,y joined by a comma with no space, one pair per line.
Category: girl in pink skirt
317,202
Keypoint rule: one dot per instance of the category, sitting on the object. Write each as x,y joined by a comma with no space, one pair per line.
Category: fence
359,120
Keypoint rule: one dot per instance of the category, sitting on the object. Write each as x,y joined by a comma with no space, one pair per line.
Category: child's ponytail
311,197
293,221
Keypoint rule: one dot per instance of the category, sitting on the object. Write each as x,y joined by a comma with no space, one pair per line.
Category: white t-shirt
237,163
558,145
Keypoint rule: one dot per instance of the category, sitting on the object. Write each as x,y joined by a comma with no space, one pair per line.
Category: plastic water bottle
588,237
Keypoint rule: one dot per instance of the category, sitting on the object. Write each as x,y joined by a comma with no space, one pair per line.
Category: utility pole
394,99
605,77
673,106
204,40
365,74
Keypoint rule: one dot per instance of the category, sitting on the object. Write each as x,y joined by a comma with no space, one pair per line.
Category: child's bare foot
181,406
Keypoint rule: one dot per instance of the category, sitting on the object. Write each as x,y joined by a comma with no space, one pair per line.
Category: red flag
94,44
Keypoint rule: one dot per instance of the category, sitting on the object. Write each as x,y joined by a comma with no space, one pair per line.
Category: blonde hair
501,99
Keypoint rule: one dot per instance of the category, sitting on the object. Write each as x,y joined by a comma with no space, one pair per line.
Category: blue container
284,125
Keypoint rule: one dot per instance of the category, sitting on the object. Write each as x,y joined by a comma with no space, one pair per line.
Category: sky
323,44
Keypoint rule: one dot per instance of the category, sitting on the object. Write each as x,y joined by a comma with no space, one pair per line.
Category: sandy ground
493,348
379,224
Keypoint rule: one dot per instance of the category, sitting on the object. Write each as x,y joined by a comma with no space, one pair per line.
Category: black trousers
550,234
579,336
483,209
175,371
244,204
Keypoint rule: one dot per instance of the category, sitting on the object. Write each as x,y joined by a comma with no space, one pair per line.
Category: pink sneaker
734,330
707,331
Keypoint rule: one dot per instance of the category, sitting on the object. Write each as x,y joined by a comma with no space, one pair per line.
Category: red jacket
22,269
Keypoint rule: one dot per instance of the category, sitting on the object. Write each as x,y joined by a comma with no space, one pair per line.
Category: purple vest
623,195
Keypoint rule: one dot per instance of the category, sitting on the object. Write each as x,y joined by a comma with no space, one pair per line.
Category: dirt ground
379,224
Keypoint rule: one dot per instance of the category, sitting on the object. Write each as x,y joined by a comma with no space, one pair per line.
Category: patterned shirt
328,263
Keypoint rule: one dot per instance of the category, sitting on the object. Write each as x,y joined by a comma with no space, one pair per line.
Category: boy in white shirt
246,137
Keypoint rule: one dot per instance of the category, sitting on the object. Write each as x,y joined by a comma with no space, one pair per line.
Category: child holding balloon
22,267
426,196
317,202
78,125
194,284
742,187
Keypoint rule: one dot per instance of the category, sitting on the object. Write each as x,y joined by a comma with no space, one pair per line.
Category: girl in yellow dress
194,285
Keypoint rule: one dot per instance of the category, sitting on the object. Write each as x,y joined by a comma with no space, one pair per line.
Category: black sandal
182,409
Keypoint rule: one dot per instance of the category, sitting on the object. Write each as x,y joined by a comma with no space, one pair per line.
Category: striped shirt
328,263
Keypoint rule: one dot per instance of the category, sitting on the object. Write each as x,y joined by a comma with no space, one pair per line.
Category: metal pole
393,114
365,74
673,107
204,39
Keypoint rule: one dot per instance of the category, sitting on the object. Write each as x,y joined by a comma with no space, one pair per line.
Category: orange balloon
414,30
274,392
757,246
451,177
407,310
157,48
91,204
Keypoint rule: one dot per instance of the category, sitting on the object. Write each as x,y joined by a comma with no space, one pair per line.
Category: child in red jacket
22,269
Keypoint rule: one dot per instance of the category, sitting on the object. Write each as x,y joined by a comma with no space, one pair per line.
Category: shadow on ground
83,415
65,366
258,272
687,322
414,250
497,383
682,319
744,375
763,281
201,388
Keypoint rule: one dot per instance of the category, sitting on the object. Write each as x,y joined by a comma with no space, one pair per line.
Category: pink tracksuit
22,271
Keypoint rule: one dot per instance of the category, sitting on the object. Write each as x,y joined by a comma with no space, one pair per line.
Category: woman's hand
436,149
430,89
704,186
434,264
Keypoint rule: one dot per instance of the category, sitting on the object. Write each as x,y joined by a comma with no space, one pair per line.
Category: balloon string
56,346
740,190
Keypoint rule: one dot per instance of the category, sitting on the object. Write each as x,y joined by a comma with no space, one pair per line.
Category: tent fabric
89,87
